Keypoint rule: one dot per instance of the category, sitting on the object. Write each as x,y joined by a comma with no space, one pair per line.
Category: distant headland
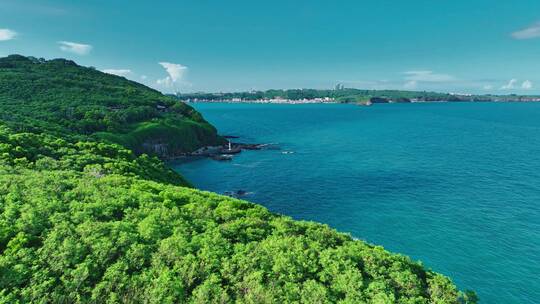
349,95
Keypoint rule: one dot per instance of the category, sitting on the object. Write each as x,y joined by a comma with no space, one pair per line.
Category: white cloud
527,85
165,82
176,74
510,85
488,87
118,72
7,34
530,32
143,77
411,84
414,79
427,76
76,48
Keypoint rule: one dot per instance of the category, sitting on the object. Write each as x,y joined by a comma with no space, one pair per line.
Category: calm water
454,185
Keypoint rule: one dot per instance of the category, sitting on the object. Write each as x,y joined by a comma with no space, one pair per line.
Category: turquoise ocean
455,185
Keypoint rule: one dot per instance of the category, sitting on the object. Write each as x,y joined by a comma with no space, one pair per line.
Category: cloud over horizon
176,73
413,78
513,84
74,47
533,31
7,34
527,85
427,76
510,85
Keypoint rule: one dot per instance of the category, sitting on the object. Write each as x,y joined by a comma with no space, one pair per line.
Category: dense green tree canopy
44,152
84,220
75,236
58,96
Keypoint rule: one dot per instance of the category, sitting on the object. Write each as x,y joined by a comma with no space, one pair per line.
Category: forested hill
58,96
83,220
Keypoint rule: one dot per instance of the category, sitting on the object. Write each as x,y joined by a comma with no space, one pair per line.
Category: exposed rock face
403,100
379,100
388,100
156,148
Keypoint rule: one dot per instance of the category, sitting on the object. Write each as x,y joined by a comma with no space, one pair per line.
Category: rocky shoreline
222,152
225,153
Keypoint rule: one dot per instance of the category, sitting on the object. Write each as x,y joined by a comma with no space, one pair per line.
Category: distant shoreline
347,95
362,103
262,101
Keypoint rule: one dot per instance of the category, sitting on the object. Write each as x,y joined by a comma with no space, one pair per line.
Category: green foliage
61,97
76,237
44,152
86,221
165,137
90,222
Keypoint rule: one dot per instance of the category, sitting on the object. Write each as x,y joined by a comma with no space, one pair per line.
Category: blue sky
463,46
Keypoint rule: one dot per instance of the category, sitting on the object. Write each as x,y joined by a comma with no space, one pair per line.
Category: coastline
220,153
396,191
360,103
266,101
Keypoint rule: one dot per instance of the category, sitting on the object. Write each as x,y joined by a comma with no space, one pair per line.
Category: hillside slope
87,221
58,96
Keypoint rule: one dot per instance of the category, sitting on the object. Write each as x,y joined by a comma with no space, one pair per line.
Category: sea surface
455,185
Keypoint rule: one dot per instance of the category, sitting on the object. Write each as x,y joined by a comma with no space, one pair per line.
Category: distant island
349,95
